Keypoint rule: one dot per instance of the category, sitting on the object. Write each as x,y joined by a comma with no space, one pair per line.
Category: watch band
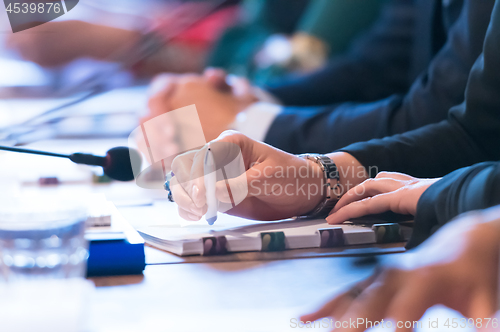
331,184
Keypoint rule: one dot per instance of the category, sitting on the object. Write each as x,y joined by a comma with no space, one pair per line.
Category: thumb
241,87
162,84
217,78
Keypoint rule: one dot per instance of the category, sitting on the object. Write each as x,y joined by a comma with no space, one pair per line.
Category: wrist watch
331,184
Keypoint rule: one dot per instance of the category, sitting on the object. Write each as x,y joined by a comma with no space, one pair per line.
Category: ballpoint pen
210,179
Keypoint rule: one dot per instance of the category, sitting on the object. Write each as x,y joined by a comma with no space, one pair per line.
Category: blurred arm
432,95
375,67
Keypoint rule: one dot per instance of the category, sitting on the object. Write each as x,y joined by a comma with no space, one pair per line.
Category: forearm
344,79
105,42
173,58
329,128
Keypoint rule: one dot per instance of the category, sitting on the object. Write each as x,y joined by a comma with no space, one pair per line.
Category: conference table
235,292
252,291
246,292
224,296
236,295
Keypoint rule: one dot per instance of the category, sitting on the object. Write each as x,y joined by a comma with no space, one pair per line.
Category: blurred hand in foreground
217,103
457,267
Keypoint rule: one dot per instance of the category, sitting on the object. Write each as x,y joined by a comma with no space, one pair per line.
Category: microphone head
120,163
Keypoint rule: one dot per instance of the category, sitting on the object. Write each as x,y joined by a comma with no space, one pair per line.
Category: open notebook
233,234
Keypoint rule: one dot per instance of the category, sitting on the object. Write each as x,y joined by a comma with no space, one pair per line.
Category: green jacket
335,22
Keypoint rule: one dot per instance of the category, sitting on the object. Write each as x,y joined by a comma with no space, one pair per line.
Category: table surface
241,293
228,296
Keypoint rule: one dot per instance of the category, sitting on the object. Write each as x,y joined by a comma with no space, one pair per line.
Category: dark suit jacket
470,134
440,86
467,189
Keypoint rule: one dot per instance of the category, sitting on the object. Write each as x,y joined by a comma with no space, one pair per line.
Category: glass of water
42,238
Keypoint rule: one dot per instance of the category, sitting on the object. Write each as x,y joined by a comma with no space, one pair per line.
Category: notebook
234,234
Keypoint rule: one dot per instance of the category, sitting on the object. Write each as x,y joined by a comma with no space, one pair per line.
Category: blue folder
112,253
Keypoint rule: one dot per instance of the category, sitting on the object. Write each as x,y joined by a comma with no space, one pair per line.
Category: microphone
118,163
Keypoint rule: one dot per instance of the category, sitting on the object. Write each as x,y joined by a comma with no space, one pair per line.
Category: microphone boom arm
41,153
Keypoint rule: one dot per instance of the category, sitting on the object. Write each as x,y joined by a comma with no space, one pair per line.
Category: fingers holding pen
196,186
184,201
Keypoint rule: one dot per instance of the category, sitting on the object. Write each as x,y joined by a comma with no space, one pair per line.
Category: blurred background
56,78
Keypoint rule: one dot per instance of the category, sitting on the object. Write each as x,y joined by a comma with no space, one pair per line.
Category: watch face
330,167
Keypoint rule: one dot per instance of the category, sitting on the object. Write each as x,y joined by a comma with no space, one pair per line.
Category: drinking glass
42,237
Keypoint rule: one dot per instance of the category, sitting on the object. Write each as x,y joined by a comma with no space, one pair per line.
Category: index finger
181,167
197,176
371,205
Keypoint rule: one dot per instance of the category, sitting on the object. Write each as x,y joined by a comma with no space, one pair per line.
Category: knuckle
368,182
189,79
232,134
177,164
382,174
162,83
162,76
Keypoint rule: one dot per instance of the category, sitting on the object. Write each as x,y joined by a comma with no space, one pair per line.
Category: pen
210,181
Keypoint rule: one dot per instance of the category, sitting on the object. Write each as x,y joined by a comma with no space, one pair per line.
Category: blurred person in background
405,72
240,36
276,39
181,37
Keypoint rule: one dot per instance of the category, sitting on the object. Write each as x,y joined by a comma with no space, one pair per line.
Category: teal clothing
336,22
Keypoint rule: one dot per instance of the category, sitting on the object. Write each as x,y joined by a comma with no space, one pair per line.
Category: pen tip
211,220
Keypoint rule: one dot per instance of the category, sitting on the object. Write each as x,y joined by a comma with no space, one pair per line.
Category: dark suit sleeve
428,101
376,66
470,135
467,189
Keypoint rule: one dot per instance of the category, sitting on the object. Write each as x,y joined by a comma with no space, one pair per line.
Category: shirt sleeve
256,120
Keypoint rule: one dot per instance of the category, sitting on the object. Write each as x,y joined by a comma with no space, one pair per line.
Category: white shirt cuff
256,119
